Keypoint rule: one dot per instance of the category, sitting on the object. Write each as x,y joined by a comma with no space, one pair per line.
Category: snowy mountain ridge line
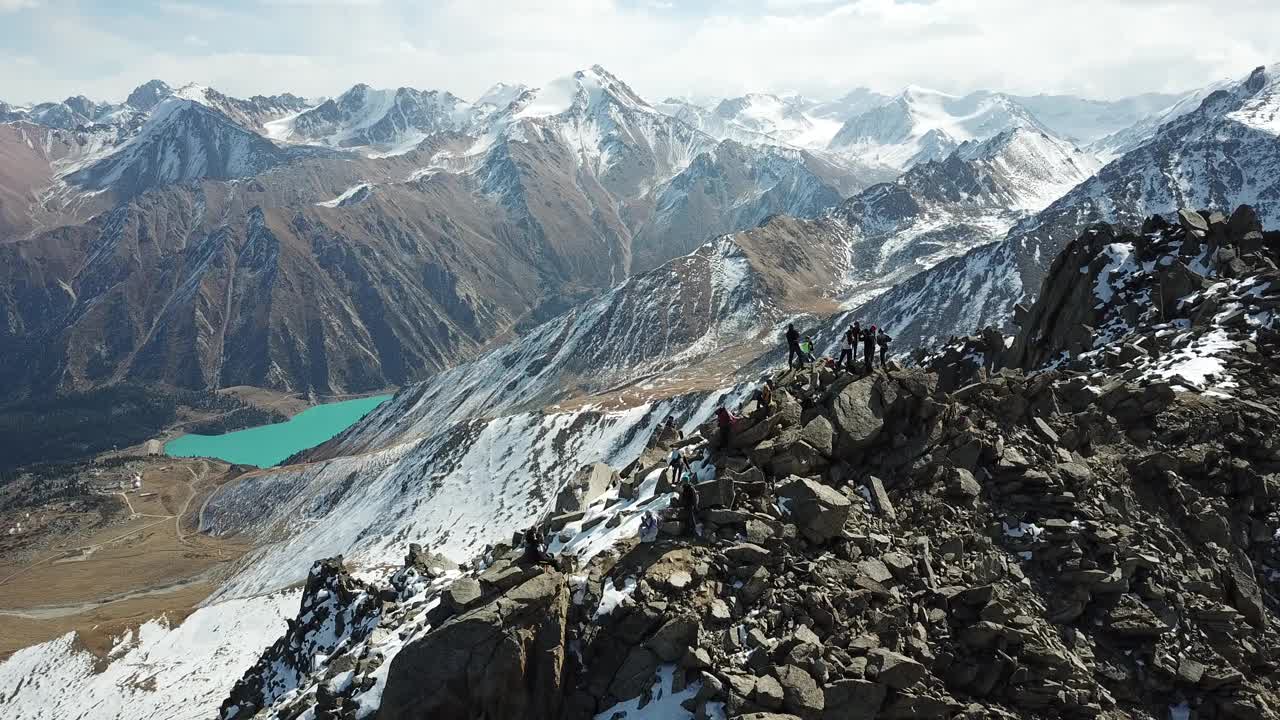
406,116
1182,165
922,124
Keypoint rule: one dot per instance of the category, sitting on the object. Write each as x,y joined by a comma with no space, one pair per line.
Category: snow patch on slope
157,672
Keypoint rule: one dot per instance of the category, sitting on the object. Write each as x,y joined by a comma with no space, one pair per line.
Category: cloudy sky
1101,48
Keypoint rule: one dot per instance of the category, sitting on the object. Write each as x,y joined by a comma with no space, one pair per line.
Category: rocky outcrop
589,483
1107,284
337,613
501,659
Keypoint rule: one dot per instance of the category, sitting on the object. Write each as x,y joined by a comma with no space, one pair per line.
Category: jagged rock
895,670
427,563
1045,432
1243,221
818,511
1245,595
880,498
1193,223
820,435
671,640
695,659
853,414
875,569
504,659
801,694
335,607
716,493
799,459
769,693
853,700
588,484
901,565
747,554
636,674
961,484
462,594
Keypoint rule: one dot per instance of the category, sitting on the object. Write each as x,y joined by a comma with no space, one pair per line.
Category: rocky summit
1079,521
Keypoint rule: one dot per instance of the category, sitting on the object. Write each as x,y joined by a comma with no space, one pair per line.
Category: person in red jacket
725,421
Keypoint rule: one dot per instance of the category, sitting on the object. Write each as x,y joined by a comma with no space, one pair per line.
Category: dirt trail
191,493
48,612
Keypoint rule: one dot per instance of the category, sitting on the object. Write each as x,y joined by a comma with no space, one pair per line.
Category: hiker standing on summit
869,348
793,345
883,340
689,506
846,349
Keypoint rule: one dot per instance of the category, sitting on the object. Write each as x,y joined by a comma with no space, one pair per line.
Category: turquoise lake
268,445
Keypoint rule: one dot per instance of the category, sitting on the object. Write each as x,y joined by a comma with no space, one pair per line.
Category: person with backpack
535,550
648,527
846,348
869,348
806,351
883,340
763,396
672,427
725,421
793,344
678,465
689,506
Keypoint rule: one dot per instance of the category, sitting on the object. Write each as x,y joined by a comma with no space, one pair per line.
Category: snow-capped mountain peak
385,121
194,92
584,91
501,94
921,124
182,140
1037,168
1260,108
149,94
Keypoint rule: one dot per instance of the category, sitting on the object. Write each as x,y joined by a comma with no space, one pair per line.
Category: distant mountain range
195,239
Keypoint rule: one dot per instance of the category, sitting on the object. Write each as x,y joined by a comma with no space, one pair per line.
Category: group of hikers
686,474
800,350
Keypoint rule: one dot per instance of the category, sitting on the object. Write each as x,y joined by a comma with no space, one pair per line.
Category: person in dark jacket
535,550
793,345
869,348
763,396
883,340
689,506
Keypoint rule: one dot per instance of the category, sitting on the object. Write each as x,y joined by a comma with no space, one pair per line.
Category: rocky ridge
1053,530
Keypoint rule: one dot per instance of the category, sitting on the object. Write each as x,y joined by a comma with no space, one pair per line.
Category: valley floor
135,557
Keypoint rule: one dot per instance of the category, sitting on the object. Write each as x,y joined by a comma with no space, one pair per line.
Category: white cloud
323,3
193,10
195,41
1100,48
15,5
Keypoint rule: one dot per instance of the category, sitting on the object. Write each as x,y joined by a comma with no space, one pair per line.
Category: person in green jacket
806,351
